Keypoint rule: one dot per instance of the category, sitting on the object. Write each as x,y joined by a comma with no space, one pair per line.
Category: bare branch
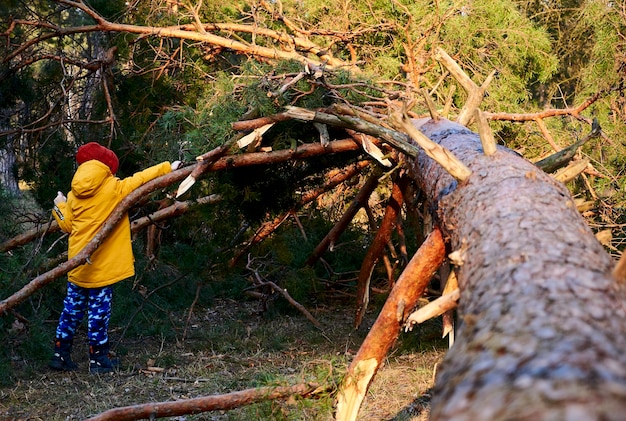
206,403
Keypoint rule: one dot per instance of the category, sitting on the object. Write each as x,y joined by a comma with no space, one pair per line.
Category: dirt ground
233,346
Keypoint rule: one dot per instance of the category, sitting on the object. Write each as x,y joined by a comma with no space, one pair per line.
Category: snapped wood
572,171
354,388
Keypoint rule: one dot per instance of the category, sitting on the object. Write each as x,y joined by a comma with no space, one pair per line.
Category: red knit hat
93,150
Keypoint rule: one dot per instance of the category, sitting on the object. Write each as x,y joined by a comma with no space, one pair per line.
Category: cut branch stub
486,135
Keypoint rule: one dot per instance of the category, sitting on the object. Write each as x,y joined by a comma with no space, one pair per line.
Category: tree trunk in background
8,170
542,332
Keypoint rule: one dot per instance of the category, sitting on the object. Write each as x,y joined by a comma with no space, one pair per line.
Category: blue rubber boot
99,361
62,360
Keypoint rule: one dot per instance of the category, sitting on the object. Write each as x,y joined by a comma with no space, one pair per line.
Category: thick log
542,332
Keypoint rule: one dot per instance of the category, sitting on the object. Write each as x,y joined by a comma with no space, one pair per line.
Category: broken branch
433,309
403,297
206,403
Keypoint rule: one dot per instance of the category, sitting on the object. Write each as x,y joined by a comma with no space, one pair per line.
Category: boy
95,194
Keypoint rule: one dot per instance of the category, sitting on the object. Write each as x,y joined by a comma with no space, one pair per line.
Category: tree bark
542,332
8,168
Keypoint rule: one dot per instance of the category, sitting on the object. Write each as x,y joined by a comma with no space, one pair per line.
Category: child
95,194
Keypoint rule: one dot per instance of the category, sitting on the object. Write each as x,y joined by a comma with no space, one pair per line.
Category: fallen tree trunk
542,332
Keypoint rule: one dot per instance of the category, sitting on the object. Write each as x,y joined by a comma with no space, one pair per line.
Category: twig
283,292
300,307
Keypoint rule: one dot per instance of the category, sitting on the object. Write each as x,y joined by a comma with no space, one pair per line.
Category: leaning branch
403,297
441,155
377,246
359,201
433,309
564,156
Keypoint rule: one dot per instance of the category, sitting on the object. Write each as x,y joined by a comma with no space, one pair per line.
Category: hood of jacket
89,178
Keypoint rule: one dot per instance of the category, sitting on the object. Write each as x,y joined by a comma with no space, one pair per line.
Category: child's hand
60,198
176,165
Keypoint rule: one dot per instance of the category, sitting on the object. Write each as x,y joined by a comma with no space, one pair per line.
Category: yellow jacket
95,193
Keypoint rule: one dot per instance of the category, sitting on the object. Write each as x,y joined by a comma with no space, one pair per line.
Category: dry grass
232,346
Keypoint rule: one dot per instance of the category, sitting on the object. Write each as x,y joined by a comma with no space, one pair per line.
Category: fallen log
541,332
223,402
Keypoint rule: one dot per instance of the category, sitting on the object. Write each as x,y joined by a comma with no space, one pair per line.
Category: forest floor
232,346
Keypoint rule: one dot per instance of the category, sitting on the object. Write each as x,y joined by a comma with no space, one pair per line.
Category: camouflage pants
96,302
